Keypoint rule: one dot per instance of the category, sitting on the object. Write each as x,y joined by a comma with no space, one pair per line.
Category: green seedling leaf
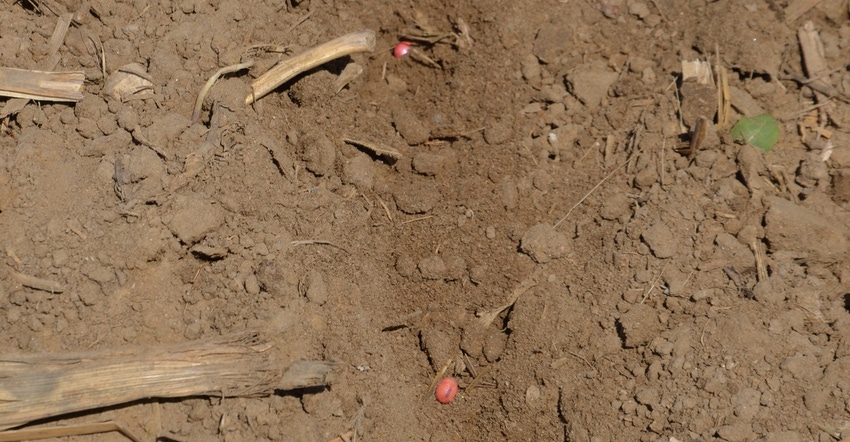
761,131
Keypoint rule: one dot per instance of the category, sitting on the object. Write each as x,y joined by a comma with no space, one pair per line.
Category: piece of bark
41,85
813,58
797,8
42,386
14,105
361,41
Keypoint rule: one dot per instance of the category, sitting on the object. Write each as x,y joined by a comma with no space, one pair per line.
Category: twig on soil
437,376
487,318
636,133
99,44
386,210
702,334
306,242
403,322
267,48
15,105
468,364
71,430
128,83
813,58
811,47
610,146
345,437
688,279
832,431
724,100
97,49
593,190
298,22
476,380
357,420
572,353
36,7
654,282
423,32
77,228
662,166
37,283
196,161
463,38
826,153
361,41
48,5
797,8
587,151
530,154
802,112
678,102
238,365
697,135
144,11
421,218
11,254
57,38
377,149
348,74
660,10
41,85
758,251
420,56
426,37
196,113
816,85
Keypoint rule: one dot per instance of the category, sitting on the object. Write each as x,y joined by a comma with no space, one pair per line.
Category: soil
542,237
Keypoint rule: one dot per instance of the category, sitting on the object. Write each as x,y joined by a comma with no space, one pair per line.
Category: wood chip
41,85
361,41
377,149
42,386
37,283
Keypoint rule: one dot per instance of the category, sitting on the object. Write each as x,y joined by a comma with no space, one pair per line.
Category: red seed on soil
401,49
446,390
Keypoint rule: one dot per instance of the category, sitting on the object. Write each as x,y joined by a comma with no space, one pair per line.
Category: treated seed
401,49
446,390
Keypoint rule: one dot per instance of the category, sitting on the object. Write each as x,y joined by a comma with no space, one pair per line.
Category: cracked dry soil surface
540,231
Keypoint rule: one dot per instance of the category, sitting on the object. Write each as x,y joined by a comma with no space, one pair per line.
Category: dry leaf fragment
127,81
351,71
41,85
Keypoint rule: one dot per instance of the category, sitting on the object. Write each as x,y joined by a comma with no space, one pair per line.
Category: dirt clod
792,227
590,82
410,127
440,344
317,289
429,164
194,216
319,153
416,197
660,240
639,325
359,171
543,243
767,291
494,346
432,267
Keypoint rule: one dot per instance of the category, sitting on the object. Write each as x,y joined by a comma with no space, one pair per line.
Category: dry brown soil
539,165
